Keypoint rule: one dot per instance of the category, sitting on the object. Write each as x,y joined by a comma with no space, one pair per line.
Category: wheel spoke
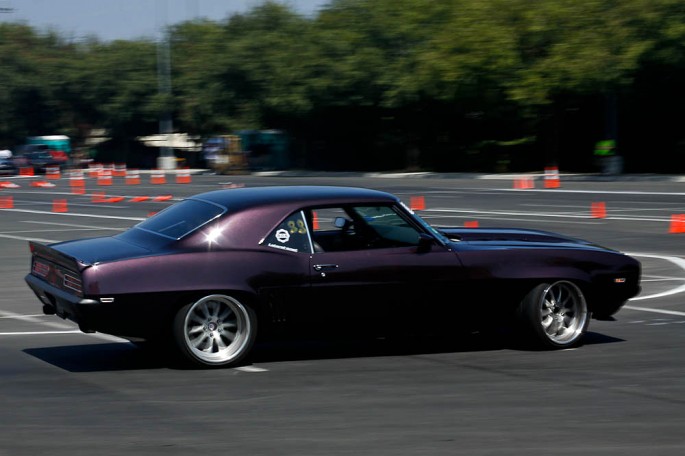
221,344
204,311
553,328
194,317
199,341
195,329
225,313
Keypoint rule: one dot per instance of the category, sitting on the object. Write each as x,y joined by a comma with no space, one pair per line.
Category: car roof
297,195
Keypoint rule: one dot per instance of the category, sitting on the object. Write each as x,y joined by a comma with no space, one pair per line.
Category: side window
291,235
390,228
336,229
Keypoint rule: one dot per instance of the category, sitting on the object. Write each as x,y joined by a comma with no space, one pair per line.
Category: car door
383,279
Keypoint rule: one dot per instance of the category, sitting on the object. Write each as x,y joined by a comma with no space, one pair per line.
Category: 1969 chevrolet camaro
204,274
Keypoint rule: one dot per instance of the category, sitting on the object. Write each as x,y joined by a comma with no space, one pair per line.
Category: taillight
73,283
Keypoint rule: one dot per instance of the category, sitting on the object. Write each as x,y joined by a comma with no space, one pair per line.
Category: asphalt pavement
621,393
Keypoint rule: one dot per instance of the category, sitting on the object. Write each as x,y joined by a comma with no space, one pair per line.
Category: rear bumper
129,316
63,304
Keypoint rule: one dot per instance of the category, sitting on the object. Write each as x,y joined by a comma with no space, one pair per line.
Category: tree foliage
372,84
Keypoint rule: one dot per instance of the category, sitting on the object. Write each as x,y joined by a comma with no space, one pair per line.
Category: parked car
205,274
7,167
39,157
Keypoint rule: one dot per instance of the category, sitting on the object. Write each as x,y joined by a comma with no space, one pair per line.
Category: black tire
215,331
553,316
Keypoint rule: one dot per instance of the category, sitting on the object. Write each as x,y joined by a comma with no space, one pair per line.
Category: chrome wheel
555,315
563,312
216,330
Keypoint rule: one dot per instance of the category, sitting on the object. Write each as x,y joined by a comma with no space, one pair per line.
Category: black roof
297,194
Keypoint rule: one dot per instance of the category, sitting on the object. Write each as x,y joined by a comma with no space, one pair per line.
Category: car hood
100,249
500,238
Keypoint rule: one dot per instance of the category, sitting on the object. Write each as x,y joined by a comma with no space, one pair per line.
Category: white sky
127,19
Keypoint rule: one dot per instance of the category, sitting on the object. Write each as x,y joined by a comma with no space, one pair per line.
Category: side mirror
340,222
425,243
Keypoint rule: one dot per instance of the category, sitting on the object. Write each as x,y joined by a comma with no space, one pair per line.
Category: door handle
325,267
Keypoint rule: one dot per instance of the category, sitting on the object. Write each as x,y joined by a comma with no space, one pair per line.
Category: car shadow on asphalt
125,357
299,350
99,357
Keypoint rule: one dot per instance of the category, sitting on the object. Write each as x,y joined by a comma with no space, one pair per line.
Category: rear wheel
554,315
215,331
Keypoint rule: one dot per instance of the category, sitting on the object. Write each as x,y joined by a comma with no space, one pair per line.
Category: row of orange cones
60,204
101,181
528,182
597,210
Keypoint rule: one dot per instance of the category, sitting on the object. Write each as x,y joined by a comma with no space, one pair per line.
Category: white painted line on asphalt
57,230
37,333
675,260
659,311
22,238
480,216
597,192
522,214
13,317
75,214
588,216
665,279
251,369
61,328
92,227
35,319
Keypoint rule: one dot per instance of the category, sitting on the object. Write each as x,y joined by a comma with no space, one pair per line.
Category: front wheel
215,331
554,315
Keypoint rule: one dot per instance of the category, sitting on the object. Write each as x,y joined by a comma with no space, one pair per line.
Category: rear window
182,218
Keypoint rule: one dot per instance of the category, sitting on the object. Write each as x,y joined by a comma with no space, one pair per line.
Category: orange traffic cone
59,205
157,177
52,172
6,202
132,177
598,210
677,223
183,176
105,177
417,203
524,183
552,177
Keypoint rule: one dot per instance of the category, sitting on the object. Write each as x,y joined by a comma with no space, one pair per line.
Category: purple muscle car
205,274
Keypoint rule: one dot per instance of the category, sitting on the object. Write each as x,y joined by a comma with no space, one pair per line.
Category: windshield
441,237
182,218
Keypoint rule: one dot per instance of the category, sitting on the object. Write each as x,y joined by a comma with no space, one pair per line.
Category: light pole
5,8
166,159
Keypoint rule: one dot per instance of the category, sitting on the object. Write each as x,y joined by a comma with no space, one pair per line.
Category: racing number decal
291,235
297,226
